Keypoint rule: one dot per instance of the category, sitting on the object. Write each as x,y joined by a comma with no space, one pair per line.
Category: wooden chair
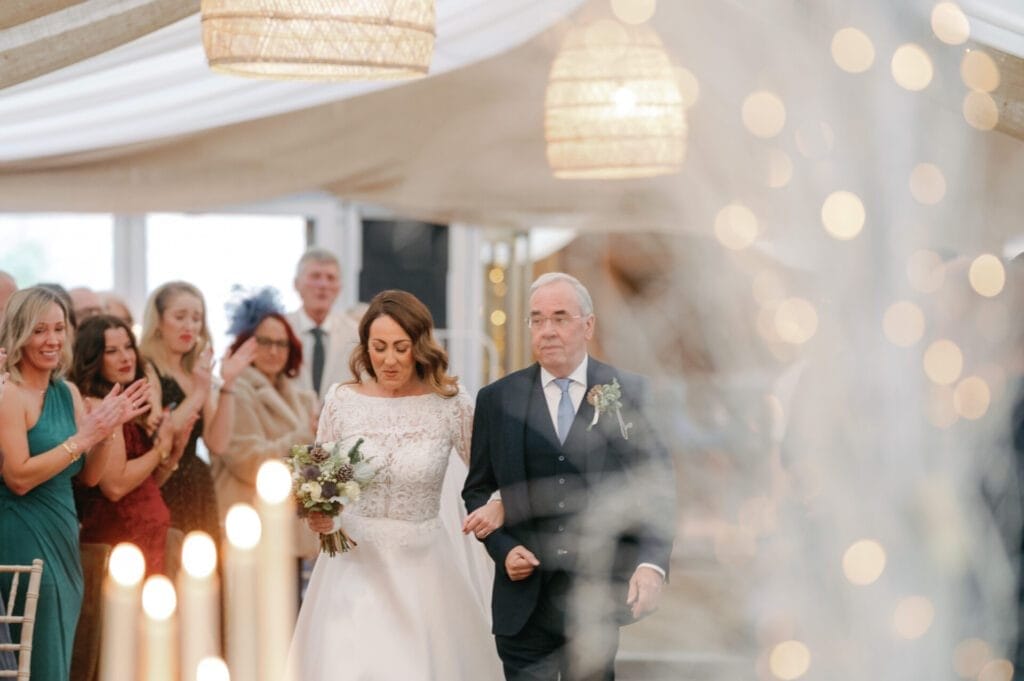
27,618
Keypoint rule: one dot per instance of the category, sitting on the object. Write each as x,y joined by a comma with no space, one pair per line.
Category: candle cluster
158,631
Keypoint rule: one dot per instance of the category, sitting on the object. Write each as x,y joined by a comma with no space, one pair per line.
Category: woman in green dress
48,439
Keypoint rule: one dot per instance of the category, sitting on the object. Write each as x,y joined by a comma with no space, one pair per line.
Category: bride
405,603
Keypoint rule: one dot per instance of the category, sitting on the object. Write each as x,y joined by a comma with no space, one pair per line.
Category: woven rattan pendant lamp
319,39
613,109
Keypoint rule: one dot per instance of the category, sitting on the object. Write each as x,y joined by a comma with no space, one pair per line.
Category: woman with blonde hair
44,433
176,346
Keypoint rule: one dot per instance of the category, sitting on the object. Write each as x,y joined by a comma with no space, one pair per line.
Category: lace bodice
410,440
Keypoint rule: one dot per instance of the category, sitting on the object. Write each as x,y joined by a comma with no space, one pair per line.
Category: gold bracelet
72,451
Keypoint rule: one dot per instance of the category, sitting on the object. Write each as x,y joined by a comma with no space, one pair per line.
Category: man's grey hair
316,254
582,294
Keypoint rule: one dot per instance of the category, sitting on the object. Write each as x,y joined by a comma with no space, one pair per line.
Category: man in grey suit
589,498
327,336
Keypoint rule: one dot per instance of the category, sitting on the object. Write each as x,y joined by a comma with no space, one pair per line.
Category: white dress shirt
340,337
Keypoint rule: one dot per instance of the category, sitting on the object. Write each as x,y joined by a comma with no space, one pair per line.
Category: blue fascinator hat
247,309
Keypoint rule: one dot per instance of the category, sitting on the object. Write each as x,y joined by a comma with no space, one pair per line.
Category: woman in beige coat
272,412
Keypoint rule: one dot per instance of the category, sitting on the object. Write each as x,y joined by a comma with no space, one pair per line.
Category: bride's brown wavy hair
416,320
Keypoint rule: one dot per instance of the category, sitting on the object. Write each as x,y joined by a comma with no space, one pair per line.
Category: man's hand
485,520
644,591
520,563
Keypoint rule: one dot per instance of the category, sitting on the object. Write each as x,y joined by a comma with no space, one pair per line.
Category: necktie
565,411
318,358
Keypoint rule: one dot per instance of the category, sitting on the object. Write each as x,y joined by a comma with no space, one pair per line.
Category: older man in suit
327,337
586,504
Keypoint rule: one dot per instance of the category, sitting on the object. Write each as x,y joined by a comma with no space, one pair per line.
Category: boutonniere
608,397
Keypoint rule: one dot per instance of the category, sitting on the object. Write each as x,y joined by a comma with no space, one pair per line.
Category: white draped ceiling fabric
148,127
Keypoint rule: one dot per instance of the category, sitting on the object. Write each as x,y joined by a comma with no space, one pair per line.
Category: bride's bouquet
326,477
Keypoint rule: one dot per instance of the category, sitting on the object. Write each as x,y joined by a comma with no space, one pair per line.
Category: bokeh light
864,562
634,11
843,215
950,24
987,275
852,50
980,110
212,669
242,526
911,67
970,656
927,184
127,564
198,554
274,482
913,617
159,600
789,660
971,397
996,670
796,320
979,71
903,323
736,227
764,114
943,362
498,317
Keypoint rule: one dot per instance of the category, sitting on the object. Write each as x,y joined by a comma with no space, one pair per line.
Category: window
65,248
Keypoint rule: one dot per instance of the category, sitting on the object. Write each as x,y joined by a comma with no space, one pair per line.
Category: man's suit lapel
515,405
589,448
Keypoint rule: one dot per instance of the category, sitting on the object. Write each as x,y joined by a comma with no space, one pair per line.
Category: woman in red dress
126,505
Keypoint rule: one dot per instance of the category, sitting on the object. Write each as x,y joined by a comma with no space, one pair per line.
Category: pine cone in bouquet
345,473
318,454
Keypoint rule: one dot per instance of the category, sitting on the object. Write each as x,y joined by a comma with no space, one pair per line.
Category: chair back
27,618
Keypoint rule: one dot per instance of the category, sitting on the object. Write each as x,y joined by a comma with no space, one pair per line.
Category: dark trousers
554,646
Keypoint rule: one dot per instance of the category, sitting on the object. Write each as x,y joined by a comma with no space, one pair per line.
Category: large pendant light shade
319,39
613,107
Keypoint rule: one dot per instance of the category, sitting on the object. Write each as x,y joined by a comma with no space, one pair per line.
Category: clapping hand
520,563
118,407
485,520
202,370
234,363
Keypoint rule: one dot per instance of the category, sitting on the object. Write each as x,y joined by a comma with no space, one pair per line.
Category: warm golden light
950,24
852,50
127,564
159,600
941,410
980,110
943,362
242,526
212,669
613,108
634,11
780,169
927,184
903,323
796,320
987,275
198,554
843,215
971,397
789,660
996,670
764,114
970,656
913,617
979,71
911,67
319,39
498,317
689,86
864,562
926,271
736,227
496,275
274,482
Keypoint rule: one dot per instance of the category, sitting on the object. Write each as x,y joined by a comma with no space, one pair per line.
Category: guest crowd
99,428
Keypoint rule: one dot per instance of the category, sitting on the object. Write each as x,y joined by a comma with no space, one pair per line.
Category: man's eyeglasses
268,343
559,320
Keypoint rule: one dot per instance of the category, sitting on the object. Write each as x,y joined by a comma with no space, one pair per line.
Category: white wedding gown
409,603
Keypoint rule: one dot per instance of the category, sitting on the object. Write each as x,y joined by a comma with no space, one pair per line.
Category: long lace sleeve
463,427
328,427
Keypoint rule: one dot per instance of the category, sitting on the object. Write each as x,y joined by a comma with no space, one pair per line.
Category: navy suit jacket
498,462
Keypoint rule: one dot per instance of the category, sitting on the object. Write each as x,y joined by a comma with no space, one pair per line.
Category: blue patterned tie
565,410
